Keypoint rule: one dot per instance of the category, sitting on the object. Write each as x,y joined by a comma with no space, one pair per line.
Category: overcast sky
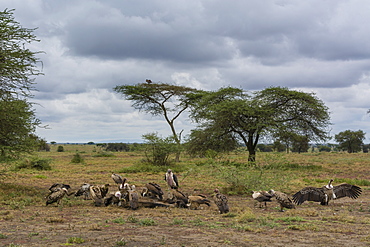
320,46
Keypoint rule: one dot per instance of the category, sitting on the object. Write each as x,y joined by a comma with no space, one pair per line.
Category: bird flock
126,195
152,195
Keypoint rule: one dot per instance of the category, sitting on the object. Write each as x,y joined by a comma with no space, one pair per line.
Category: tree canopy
18,68
167,100
270,112
18,64
350,141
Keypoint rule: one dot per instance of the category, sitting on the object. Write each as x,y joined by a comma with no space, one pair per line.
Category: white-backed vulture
58,186
221,201
84,190
124,185
56,196
98,192
113,199
117,178
262,196
196,201
153,190
283,199
171,179
326,193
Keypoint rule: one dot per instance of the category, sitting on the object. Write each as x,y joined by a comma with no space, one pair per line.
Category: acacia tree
18,68
167,100
250,116
350,141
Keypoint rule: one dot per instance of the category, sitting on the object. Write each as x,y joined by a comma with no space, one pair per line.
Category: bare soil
344,222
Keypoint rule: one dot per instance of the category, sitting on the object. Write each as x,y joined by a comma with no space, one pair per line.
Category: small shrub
147,222
119,220
76,240
77,158
132,219
34,163
60,149
2,236
177,221
121,242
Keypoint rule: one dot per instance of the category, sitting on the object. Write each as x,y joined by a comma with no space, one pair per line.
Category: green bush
34,163
77,158
104,154
60,149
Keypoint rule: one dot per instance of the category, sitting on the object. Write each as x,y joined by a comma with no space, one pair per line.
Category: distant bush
60,149
323,148
104,154
118,147
77,158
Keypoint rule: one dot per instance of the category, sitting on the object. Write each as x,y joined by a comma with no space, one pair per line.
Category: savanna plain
25,220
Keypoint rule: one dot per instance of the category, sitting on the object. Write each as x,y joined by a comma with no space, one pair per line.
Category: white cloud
93,45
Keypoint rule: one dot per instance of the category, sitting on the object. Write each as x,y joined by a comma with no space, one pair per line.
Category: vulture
57,186
326,193
283,199
195,201
154,190
180,198
98,192
84,190
56,196
117,178
221,202
133,198
262,196
124,185
171,179
113,199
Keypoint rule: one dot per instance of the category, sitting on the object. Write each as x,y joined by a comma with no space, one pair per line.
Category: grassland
26,221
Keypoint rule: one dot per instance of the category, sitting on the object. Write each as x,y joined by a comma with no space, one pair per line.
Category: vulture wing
201,199
175,180
117,178
181,199
309,194
96,195
343,190
155,189
104,190
57,186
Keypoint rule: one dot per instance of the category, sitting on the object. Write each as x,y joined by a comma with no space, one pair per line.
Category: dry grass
343,223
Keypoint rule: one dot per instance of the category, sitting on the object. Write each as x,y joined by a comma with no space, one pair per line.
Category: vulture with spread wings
327,193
